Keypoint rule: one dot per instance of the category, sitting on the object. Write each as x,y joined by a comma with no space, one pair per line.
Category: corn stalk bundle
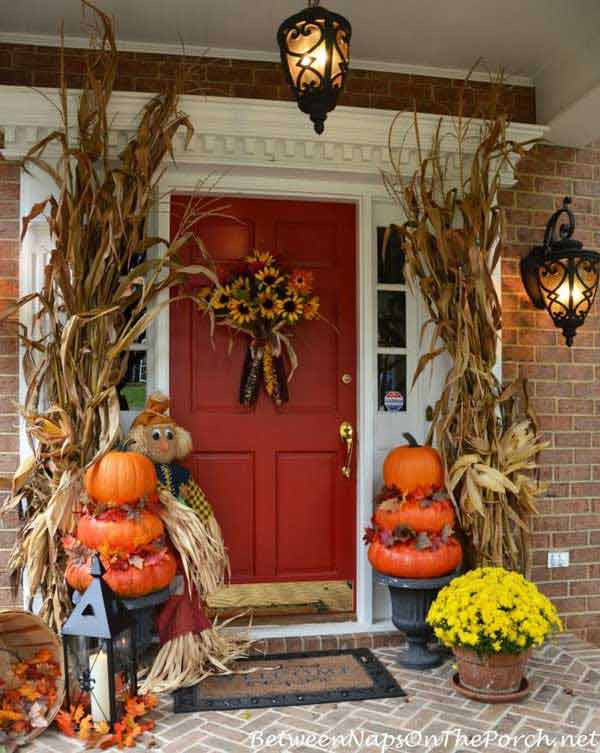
99,295
452,238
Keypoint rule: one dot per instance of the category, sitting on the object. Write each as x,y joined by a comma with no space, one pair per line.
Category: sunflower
240,283
311,307
269,276
301,281
221,297
241,312
292,309
269,306
203,297
264,257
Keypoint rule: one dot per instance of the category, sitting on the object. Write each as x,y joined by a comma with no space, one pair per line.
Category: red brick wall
28,65
9,440
564,382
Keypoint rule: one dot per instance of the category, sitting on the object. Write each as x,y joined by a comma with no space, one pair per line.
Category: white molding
366,303
230,133
270,56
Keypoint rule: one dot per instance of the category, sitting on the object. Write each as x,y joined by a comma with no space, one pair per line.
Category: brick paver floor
565,701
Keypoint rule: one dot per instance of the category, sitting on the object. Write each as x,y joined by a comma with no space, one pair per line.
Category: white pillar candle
100,692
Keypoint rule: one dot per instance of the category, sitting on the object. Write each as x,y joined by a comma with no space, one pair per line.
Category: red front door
273,474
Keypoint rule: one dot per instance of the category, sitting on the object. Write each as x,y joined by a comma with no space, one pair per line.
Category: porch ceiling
547,43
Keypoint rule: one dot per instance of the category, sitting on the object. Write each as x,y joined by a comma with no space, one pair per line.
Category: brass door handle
347,437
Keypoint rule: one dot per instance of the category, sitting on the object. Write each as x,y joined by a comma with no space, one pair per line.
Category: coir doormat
294,679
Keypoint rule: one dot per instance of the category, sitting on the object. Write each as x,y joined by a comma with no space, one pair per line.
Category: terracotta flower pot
490,673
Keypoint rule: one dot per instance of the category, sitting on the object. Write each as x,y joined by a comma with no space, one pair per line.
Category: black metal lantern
99,651
561,276
315,51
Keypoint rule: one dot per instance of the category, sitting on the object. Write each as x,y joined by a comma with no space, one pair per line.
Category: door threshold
260,632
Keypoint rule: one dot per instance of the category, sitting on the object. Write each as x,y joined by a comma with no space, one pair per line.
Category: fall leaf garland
125,733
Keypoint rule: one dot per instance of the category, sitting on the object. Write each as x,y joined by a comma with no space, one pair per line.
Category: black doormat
294,679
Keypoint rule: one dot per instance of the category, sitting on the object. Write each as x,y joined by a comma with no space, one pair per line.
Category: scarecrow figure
156,435
191,646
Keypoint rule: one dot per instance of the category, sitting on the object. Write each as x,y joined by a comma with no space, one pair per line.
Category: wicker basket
26,634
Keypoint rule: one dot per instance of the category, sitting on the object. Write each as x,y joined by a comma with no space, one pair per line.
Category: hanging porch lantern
99,652
315,51
561,276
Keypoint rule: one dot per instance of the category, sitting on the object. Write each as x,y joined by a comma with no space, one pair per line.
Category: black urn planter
143,611
411,599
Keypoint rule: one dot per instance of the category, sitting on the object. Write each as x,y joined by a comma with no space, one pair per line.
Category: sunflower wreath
262,300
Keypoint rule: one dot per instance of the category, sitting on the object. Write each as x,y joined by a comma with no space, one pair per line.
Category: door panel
273,474
305,479
228,481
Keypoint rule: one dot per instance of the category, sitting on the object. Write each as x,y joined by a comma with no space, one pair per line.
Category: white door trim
306,188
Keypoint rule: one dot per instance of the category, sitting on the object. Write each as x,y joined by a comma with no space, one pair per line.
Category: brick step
327,642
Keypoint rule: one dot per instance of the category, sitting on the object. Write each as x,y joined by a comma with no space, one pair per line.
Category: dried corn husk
98,295
200,546
188,659
453,239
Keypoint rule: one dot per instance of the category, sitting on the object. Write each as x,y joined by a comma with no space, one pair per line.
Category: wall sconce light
561,276
315,52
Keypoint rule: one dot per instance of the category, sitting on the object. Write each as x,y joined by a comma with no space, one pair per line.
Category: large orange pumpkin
119,531
404,560
411,466
120,478
429,516
130,583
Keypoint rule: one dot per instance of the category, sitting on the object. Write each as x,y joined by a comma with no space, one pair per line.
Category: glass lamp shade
561,276
99,675
568,287
99,652
315,52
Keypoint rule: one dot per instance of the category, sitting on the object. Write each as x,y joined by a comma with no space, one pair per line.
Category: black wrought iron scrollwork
561,276
316,71
86,681
565,231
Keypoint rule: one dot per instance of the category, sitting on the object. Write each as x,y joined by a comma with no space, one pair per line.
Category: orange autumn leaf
29,692
85,728
77,713
64,720
109,742
19,726
10,697
102,728
151,701
119,729
20,668
132,735
8,715
42,656
135,707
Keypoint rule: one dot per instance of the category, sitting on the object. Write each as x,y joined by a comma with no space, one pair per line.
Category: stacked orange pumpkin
411,536
121,523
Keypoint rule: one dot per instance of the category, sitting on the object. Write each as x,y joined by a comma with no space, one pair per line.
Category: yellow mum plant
493,611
